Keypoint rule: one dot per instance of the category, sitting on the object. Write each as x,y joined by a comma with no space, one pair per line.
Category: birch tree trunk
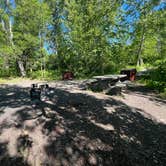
139,57
10,33
21,68
3,25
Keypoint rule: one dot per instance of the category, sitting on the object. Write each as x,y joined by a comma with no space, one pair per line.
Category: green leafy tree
31,19
87,39
6,38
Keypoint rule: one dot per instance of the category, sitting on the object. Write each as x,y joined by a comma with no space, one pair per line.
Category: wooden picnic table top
109,77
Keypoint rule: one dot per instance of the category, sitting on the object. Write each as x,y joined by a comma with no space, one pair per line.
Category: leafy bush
158,77
156,85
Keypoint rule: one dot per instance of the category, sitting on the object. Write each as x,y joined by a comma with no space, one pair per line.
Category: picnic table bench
110,77
100,83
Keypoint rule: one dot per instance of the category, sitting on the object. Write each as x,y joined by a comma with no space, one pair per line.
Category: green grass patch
12,80
140,68
46,75
156,79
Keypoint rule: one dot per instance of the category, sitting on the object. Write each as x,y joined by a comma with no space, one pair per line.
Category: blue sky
161,6
12,2
130,19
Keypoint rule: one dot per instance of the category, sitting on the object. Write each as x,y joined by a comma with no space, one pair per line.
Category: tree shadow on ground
86,130
13,96
13,99
94,136
7,160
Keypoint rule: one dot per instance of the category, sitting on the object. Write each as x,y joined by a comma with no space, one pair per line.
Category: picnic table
110,77
100,83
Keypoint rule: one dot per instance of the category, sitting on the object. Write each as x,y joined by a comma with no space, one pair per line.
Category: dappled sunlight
104,126
79,128
146,106
109,110
82,83
10,135
10,94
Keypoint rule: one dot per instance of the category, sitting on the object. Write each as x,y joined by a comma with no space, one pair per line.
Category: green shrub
157,85
157,77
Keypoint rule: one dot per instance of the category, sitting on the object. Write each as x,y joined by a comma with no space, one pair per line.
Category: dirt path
87,128
147,102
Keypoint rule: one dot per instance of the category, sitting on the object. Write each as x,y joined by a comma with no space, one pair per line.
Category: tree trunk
21,68
139,58
7,25
10,33
3,25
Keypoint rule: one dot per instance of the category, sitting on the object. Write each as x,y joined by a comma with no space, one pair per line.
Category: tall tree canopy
87,37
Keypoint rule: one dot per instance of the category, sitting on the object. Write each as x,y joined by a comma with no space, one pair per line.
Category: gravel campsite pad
85,128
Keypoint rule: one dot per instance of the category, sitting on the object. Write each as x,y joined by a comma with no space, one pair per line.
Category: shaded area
86,130
7,160
13,96
135,140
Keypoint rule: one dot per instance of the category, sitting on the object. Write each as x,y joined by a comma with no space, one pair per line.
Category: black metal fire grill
38,92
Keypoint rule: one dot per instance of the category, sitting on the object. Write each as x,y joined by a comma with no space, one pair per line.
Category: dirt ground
84,128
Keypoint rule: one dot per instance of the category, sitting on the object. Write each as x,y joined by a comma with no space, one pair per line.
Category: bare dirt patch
87,128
